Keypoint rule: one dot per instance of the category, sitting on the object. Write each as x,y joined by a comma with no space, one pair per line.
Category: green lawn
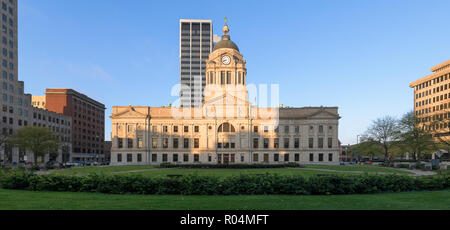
28,200
362,168
102,169
151,171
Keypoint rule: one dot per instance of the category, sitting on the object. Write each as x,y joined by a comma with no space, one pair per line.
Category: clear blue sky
359,55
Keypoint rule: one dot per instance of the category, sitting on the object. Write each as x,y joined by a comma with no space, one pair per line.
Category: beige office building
227,128
432,100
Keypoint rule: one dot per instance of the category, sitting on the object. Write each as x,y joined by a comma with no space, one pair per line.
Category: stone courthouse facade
227,129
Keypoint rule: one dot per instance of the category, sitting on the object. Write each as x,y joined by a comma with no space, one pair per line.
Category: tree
439,126
39,140
413,138
3,141
367,147
384,131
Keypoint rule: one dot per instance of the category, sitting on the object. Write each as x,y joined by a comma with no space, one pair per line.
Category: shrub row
233,185
231,166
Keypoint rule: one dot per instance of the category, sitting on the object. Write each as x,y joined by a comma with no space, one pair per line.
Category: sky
358,55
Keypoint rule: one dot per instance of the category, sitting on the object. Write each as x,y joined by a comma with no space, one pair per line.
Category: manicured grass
102,169
151,171
28,200
362,168
230,172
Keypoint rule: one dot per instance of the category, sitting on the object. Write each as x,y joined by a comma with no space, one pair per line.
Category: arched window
226,128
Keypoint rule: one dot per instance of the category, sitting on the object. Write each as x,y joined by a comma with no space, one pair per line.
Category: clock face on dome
226,60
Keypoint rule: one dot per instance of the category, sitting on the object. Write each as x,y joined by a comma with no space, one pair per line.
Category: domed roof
226,44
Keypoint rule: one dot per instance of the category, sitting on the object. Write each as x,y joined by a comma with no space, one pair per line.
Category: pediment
322,114
230,100
129,113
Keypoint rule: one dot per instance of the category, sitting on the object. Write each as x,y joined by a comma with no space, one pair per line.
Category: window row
224,158
432,82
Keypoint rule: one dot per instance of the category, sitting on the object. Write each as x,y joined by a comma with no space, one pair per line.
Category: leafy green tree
439,125
367,147
413,138
384,131
39,140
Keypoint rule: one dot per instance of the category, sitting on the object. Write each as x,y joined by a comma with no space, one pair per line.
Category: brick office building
88,122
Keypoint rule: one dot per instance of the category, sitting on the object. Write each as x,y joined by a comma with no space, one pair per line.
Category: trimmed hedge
266,184
230,166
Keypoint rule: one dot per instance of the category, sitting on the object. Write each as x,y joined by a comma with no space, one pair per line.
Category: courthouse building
227,128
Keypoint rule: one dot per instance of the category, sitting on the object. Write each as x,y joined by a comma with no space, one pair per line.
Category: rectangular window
255,157
196,129
175,157
286,157
196,143
222,78
297,157
119,142
266,143
119,157
164,157
330,143
255,129
129,157
311,157
154,143
286,129
154,158
286,143
165,143
175,143
140,143
186,129
297,143
255,143
276,143
276,157
320,143
186,157
266,158
139,157
130,143
175,129
196,158
330,157
311,143
186,143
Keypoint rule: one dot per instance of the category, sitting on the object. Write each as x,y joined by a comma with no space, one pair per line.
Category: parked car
368,163
342,163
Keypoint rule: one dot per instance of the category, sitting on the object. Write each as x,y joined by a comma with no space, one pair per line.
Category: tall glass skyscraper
196,43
